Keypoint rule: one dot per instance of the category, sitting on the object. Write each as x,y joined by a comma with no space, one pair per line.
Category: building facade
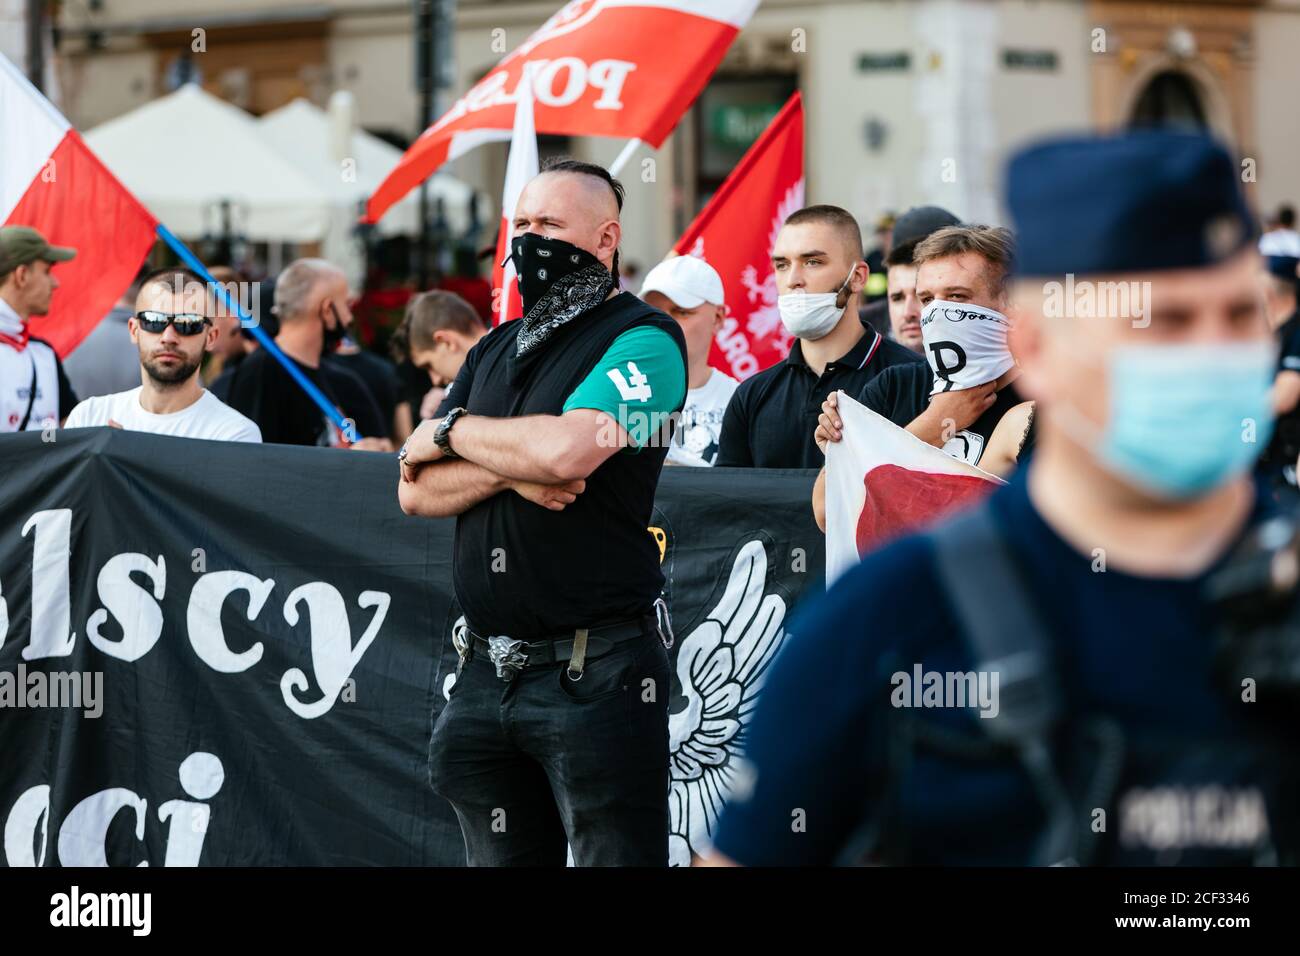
907,101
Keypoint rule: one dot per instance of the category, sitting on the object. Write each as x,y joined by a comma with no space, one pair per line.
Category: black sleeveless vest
528,573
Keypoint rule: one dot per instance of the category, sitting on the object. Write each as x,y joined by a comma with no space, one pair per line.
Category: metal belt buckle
506,656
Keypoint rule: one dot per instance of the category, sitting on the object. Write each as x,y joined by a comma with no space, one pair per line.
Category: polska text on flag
621,68
882,482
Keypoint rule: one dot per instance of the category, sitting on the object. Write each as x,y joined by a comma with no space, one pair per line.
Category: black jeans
540,760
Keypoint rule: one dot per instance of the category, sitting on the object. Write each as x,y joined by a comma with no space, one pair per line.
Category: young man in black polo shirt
820,276
556,729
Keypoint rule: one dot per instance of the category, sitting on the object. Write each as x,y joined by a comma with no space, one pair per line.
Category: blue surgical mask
1184,419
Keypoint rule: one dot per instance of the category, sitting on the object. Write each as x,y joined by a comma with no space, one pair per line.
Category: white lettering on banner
139,613
51,610
559,83
203,618
83,831
332,655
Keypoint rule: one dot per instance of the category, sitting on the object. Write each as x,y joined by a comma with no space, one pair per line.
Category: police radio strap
1006,635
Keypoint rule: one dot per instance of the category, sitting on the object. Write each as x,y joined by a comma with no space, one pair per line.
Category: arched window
1170,99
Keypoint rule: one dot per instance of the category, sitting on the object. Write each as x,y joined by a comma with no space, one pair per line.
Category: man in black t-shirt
379,375
311,305
955,400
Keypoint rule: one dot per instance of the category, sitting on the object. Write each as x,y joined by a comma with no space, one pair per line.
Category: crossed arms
543,458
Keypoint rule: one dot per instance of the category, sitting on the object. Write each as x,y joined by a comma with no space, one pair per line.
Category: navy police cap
1135,202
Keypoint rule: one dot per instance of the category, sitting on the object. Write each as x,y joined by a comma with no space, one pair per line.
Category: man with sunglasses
172,327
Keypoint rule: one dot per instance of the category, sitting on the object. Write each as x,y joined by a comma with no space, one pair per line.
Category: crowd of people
872,347
1138,452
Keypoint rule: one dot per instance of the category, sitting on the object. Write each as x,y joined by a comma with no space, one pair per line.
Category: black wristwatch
441,434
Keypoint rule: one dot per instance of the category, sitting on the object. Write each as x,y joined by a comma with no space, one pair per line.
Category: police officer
548,449
1067,672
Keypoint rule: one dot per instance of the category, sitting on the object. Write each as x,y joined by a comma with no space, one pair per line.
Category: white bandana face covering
966,345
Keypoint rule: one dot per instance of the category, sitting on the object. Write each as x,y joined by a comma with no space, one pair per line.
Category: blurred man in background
107,361
436,334
690,290
311,305
380,377
1077,623
1282,239
904,307
34,391
231,345
172,330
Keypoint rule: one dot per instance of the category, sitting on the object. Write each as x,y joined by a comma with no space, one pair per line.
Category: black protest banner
227,654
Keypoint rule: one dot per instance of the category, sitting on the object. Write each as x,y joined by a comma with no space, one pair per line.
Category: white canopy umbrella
352,169
349,164
184,154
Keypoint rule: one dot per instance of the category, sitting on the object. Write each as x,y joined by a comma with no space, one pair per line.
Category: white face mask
965,344
812,315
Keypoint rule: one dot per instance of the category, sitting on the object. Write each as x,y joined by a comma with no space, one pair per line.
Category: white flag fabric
521,167
882,482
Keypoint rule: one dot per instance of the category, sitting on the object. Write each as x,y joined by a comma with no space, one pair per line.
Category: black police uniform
1135,719
1147,723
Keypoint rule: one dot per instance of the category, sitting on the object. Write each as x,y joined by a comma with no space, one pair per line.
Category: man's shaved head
841,221
577,202
298,285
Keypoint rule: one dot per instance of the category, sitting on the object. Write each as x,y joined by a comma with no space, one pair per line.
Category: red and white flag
735,233
621,68
882,482
50,180
520,168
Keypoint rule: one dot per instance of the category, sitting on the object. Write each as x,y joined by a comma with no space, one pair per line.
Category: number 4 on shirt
636,387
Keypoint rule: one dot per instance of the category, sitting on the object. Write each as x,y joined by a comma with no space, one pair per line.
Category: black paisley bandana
557,282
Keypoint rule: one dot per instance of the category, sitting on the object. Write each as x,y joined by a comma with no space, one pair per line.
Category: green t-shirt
639,381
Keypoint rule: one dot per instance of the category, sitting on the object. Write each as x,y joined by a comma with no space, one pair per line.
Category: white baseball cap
687,280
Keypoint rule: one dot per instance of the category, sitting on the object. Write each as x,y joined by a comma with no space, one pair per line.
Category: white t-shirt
1280,242
695,441
208,418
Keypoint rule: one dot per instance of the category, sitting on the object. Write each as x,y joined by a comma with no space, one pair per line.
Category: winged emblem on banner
720,666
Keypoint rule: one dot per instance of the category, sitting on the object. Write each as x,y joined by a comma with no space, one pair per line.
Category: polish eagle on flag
883,482
769,177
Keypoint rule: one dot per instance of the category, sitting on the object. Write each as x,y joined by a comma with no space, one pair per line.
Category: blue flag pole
246,321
